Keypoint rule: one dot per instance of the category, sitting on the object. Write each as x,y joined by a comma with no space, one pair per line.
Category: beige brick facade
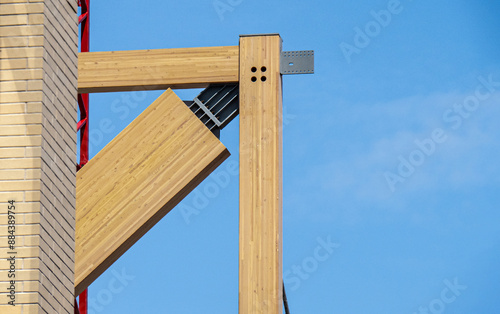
38,108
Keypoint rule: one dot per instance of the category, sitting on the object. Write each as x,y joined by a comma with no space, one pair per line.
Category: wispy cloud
352,177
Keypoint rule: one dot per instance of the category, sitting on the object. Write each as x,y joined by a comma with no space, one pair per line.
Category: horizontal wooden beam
114,71
136,180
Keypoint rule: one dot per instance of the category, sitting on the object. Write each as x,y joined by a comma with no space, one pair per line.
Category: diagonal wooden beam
114,71
136,180
260,286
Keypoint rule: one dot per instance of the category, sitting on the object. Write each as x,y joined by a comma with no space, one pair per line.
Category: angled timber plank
260,283
113,71
136,180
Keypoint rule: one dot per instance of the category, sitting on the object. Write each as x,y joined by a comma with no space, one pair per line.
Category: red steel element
82,17
83,99
83,124
83,302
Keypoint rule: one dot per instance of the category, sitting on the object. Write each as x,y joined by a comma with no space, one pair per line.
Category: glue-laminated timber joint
158,69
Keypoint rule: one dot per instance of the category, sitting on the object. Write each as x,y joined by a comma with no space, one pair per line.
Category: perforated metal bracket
297,62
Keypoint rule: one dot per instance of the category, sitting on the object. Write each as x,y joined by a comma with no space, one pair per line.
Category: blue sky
390,153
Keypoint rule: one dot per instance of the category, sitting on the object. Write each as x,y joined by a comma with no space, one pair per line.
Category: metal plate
216,106
297,62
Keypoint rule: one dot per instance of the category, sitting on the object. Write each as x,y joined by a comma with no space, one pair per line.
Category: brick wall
38,73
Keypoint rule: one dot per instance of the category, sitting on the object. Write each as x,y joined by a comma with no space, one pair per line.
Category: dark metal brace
216,106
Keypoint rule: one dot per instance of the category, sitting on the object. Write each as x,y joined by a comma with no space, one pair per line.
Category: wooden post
260,286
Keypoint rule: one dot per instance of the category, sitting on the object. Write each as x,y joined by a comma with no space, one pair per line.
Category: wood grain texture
136,180
260,285
156,69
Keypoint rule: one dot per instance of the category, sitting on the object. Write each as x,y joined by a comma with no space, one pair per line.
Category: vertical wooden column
260,286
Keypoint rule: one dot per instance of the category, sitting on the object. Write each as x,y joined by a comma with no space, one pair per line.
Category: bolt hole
263,69
254,79
263,79
254,69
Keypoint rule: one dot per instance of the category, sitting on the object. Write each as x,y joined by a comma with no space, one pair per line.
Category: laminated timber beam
260,266
114,71
136,180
